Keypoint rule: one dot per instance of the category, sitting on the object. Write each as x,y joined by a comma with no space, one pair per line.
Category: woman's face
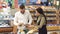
37,14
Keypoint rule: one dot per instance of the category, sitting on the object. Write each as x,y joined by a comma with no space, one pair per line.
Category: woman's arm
42,22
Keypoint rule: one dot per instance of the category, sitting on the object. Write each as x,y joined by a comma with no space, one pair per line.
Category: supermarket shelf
10,29
6,19
53,28
49,11
6,29
50,14
51,18
52,22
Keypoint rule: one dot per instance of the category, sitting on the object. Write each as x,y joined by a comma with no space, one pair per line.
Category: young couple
24,18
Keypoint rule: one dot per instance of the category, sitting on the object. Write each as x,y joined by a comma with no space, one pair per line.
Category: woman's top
41,21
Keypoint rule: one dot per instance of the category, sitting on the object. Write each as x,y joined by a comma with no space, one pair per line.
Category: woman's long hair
40,10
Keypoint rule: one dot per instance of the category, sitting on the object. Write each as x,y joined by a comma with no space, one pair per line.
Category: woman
41,21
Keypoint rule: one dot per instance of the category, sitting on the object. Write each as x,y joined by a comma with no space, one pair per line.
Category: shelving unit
51,17
59,16
6,29
51,13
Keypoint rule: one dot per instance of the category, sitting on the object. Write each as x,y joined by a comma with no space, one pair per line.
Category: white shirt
5,11
8,8
22,18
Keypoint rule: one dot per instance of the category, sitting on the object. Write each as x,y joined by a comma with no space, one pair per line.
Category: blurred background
9,7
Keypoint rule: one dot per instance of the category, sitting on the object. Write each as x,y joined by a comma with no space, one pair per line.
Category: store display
51,27
53,32
21,2
21,32
59,15
50,12
4,23
51,15
16,3
6,29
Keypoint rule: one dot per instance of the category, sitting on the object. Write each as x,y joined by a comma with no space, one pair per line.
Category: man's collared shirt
22,18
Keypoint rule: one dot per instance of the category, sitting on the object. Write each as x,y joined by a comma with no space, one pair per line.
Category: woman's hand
31,27
27,25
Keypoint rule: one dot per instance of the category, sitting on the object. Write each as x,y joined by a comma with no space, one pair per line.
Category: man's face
22,11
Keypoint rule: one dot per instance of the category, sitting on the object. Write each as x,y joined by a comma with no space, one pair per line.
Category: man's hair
21,6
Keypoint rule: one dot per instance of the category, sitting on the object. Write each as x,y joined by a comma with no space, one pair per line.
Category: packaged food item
21,32
54,33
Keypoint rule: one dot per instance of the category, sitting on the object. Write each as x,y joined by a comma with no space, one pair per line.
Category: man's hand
21,24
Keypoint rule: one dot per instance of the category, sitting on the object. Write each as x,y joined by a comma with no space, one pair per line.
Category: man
22,18
5,9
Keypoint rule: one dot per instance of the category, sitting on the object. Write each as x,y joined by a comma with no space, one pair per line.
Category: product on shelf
50,13
54,33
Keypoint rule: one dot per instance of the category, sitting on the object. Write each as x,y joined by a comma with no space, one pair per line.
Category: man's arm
30,18
16,20
15,24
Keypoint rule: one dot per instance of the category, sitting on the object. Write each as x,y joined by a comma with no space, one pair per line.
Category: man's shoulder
27,11
17,12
